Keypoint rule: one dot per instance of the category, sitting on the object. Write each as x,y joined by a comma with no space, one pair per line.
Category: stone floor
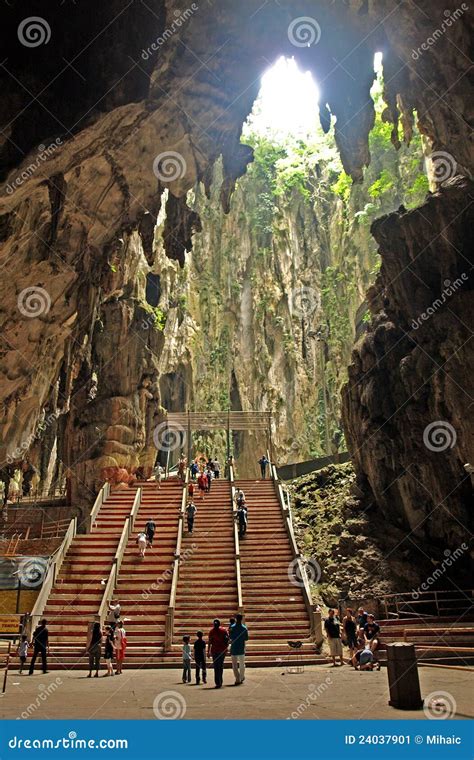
320,692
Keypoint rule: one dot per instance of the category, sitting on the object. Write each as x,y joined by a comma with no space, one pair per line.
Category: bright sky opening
287,104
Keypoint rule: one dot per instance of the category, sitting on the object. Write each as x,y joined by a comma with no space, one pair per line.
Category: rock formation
117,103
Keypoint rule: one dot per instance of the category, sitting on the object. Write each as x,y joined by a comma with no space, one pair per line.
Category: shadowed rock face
408,411
118,86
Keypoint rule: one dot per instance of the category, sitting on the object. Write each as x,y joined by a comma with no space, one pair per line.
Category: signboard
9,623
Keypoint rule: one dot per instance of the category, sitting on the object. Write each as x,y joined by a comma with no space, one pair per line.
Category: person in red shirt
218,641
202,483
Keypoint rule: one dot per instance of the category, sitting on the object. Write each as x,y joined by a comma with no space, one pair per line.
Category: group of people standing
218,640
114,638
360,633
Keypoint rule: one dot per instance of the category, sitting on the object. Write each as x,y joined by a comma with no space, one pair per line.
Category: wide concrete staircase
76,596
207,585
152,593
273,601
144,583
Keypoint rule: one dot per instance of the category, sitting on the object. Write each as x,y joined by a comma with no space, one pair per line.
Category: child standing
109,650
200,657
186,660
22,651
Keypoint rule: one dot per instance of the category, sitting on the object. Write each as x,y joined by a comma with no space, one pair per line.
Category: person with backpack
217,469
209,475
191,510
150,528
218,641
263,462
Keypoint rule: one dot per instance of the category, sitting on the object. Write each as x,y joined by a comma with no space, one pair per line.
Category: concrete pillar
403,678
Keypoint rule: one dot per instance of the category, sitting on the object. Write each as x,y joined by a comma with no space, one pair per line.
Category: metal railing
55,563
238,574
300,572
169,621
101,497
112,580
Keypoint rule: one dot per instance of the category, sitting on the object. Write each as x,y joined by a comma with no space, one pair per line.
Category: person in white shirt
141,541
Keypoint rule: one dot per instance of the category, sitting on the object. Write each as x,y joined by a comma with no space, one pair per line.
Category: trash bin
403,678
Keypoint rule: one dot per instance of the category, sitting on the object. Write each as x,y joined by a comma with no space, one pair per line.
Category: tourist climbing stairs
144,583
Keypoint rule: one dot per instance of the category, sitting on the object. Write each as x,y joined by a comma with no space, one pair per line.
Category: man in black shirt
371,633
333,633
150,531
40,646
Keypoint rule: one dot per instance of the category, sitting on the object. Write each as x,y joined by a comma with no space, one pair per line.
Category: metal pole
228,434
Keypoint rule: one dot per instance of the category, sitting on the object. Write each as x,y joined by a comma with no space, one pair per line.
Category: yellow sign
9,623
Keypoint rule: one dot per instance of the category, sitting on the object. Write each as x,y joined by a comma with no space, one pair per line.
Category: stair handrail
169,621
55,563
108,593
314,616
101,497
238,574
112,580
135,507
